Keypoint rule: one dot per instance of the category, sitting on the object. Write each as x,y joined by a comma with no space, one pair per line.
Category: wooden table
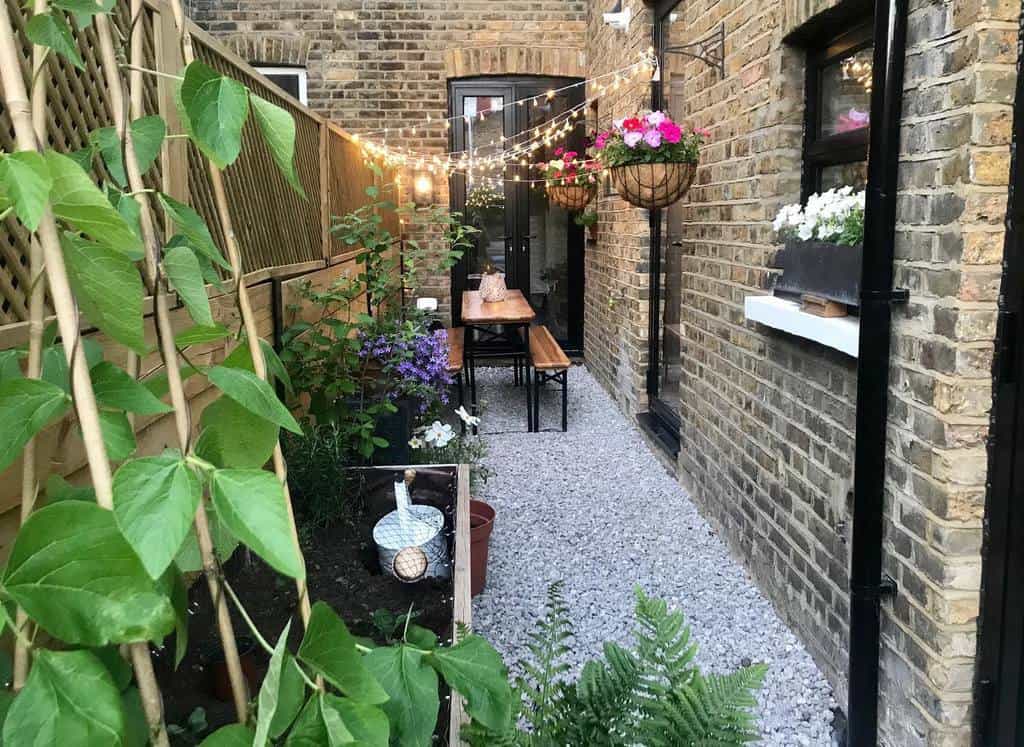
513,315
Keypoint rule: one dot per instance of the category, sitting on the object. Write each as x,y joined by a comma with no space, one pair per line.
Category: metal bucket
420,540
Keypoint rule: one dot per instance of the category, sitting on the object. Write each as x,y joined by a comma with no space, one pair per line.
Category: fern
650,696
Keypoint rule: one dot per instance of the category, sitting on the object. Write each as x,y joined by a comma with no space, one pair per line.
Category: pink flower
632,125
702,131
654,119
601,140
670,131
569,155
653,138
632,139
558,151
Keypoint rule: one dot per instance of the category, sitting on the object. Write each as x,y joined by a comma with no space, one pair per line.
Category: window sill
840,333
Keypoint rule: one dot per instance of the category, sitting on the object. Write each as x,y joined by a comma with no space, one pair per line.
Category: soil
342,570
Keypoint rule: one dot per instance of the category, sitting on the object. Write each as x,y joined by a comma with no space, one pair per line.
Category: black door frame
517,195
999,674
661,419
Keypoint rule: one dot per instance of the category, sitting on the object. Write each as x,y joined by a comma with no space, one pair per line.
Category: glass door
535,242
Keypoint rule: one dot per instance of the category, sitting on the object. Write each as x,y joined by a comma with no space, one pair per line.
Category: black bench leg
529,398
472,389
536,400
460,382
565,401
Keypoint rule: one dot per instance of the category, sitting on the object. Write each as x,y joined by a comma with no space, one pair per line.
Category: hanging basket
572,197
653,185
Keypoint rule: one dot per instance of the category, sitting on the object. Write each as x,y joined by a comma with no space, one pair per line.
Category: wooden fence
279,232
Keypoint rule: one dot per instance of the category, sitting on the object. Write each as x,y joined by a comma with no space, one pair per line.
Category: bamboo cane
67,321
169,354
33,370
245,309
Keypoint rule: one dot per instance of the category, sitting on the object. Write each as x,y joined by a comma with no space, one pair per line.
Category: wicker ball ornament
653,185
572,197
410,564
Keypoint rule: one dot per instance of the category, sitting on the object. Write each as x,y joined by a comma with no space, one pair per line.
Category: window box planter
820,268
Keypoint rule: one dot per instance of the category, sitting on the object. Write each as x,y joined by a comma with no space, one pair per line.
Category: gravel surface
595,508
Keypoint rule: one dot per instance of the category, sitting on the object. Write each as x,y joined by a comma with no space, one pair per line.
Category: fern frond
541,686
663,646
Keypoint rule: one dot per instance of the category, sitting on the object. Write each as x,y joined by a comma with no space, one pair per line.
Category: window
291,79
837,115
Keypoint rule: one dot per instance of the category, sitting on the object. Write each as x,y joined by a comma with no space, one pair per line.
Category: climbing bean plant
99,568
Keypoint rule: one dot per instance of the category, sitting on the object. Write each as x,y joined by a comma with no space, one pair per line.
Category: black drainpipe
877,295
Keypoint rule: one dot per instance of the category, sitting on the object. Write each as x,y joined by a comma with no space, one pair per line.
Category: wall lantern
423,189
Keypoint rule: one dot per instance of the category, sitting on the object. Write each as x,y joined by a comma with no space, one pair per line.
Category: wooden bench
550,363
456,361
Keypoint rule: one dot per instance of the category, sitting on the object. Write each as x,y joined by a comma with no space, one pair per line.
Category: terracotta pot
217,669
653,185
572,197
481,522
492,287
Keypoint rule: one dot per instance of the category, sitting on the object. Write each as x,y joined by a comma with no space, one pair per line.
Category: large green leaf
52,30
215,108
10,364
147,138
84,10
81,203
25,178
26,407
118,435
291,695
367,724
186,278
59,489
234,437
309,729
254,394
232,735
115,388
270,689
473,668
198,335
411,686
251,504
240,357
155,500
278,130
136,727
77,577
108,289
330,649
193,229
69,698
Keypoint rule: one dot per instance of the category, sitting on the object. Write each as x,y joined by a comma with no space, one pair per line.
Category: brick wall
377,63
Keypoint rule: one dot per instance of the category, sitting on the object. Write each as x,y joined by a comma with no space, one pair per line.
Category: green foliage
115,388
118,435
186,277
147,137
252,393
652,694
79,579
194,232
26,182
233,436
586,219
52,30
251,504
323,490
278,130
214,108
411,686
26,407
330,649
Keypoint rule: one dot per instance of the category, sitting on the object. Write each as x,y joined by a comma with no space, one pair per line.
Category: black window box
819,268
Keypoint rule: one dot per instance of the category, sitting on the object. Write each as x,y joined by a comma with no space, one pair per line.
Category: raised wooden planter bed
342,570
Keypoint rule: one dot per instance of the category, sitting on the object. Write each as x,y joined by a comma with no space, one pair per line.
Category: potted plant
492,284
588,220
571,181
651,159
823,246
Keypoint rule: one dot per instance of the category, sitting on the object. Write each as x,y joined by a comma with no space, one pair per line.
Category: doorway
999,679
533,241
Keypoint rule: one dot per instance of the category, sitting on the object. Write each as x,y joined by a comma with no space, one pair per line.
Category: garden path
595,508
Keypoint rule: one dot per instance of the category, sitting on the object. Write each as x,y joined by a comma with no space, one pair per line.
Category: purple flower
632,139
653,138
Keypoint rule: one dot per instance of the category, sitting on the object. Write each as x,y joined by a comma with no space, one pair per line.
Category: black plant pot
820,268
396,429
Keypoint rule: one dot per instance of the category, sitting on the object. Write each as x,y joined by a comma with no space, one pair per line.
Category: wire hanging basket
572,197
653,185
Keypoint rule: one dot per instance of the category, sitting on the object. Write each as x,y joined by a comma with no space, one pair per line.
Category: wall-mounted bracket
709,50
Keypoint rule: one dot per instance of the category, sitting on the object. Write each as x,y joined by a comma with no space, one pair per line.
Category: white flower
438,434
806,231
471,420
415,442
655,118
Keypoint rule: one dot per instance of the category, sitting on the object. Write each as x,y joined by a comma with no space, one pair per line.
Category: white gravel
595,508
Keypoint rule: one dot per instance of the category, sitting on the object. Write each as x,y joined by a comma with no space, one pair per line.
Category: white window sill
841,333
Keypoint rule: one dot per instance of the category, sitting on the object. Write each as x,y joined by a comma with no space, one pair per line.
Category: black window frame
843,147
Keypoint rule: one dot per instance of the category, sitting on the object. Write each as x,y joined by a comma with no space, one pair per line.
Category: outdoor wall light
423,189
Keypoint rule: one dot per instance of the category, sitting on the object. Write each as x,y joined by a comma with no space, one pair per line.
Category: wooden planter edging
820,268
463,613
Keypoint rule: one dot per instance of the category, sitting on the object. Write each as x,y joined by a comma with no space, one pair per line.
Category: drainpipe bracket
888,588
896,295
